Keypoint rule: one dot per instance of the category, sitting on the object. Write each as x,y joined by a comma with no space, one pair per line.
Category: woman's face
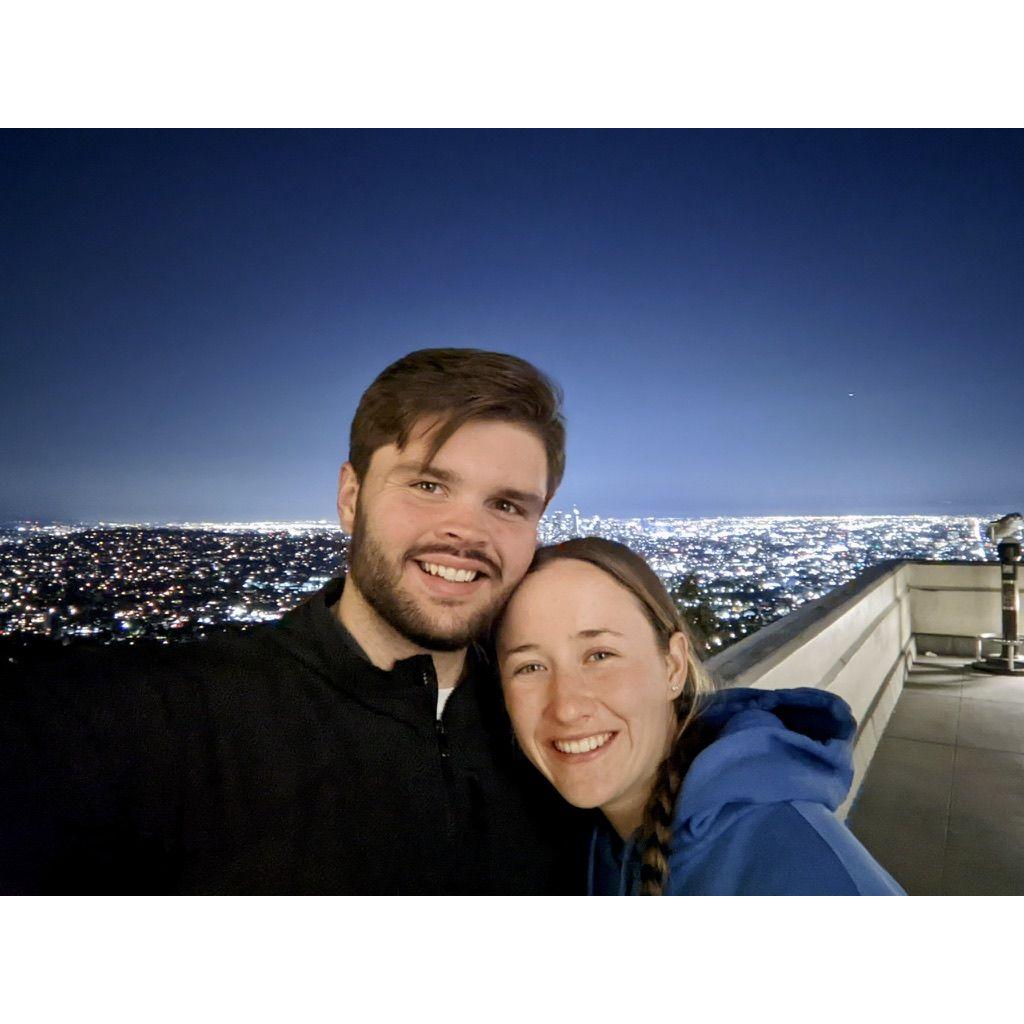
588,689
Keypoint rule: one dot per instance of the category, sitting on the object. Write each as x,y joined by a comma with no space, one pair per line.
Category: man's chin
439,644
424,628
431,621
446,637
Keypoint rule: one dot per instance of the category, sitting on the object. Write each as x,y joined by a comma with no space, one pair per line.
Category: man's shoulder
229,660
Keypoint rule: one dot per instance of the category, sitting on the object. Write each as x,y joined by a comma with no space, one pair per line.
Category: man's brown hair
453,386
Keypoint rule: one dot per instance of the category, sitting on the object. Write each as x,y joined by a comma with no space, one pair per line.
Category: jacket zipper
446,766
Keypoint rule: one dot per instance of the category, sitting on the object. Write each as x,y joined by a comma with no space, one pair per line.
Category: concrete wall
856,642
950,604
860,640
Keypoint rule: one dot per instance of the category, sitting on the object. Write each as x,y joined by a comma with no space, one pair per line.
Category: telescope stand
1008,661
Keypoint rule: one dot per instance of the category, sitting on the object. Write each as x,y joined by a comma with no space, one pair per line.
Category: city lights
126,582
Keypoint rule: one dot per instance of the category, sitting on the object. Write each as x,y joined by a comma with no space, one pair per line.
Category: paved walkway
942,806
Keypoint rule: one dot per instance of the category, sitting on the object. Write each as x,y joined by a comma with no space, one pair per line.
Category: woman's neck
626,813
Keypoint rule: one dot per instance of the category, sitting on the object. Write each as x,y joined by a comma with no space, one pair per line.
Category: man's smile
445,577
456,567
449,572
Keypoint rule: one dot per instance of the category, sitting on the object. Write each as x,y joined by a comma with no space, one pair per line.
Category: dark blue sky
187,319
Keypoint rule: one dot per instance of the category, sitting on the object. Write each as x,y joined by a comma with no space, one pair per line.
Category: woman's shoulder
764,748
756,810
792,848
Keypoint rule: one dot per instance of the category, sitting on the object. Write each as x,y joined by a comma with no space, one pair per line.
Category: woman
702,792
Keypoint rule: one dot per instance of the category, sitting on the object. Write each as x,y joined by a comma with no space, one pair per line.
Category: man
359,745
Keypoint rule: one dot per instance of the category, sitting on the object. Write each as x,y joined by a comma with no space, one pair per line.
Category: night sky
187,319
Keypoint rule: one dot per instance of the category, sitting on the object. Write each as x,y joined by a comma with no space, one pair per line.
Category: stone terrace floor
942,805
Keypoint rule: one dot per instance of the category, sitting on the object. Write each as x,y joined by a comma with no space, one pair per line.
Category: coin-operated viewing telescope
1006,532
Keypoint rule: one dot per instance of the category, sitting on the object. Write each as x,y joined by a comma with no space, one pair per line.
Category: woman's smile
576,749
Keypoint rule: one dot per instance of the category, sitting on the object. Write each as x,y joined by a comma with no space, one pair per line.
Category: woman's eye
601,655
528,668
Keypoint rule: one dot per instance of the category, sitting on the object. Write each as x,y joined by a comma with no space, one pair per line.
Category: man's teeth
446,572
583,746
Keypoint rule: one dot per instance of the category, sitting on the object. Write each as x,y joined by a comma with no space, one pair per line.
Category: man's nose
464,523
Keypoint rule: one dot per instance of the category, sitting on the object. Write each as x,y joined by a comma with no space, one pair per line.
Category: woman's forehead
569,593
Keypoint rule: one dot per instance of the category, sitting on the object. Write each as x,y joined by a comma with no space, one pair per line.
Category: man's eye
504,505
427,486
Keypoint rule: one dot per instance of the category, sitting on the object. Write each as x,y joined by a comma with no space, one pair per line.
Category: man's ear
348,492
677,659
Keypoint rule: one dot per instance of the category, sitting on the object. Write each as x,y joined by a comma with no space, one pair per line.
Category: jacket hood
762,747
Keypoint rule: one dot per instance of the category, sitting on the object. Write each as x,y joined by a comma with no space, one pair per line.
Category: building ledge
938,788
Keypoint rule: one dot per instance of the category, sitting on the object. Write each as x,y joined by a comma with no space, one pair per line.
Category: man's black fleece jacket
280,761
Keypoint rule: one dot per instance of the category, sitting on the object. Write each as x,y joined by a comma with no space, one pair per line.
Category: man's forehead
423,430
472,434
509,455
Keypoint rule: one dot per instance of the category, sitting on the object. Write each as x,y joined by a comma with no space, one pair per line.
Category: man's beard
380,585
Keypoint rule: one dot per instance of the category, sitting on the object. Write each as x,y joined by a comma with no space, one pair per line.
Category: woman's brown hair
629,570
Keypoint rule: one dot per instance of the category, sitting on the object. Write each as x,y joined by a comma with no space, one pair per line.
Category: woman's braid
657,824
659,814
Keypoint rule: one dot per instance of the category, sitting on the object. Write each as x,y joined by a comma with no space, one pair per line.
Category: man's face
437,552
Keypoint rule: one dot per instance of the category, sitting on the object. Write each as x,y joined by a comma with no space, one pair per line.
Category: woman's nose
569,701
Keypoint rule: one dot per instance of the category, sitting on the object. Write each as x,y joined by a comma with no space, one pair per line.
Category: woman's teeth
583,746
448,573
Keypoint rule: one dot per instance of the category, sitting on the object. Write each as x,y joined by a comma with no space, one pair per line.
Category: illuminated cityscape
126,582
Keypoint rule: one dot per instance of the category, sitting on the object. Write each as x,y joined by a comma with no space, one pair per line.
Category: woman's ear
677,658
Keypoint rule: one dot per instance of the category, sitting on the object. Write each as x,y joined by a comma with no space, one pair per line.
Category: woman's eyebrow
519,649
583,633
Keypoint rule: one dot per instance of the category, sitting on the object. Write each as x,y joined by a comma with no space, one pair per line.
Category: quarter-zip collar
313,633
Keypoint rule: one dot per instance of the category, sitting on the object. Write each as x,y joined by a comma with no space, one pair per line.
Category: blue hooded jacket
755,815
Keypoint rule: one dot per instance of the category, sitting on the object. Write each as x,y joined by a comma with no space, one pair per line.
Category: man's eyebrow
444,475
527,498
